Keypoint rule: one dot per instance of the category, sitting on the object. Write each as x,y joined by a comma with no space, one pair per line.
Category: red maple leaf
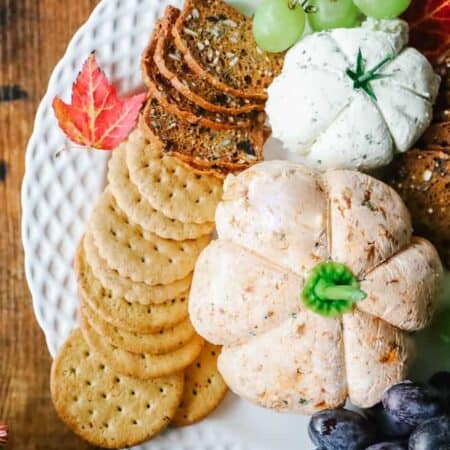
97,118
429,22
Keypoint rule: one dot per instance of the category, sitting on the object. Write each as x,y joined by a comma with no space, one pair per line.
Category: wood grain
33,37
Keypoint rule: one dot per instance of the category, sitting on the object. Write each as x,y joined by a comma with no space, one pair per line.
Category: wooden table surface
33,37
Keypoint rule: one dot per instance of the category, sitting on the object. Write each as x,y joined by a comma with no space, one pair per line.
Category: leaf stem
339,292
66,148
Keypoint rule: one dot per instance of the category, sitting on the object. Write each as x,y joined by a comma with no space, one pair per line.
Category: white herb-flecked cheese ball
352,98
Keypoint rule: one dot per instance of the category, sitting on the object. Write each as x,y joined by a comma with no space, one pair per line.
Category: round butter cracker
204,388
138,254
132,317
126,288
156,344
104,408
143,365
139,210
171,187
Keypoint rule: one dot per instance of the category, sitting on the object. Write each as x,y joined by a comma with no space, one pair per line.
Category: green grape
278,24
382,9
332,14
246,7
442,325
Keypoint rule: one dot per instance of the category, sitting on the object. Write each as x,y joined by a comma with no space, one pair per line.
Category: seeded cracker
132,317
232,62
143,365
171,65
156,344
129,290
230,149
204,388
139,210
173,100
172,188
139,254
106,409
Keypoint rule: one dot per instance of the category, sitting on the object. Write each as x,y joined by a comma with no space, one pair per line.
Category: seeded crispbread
132,317
126,288
232,61
437,137
106,409
138,209
422,178
139,254
144,365
214,170
229,149
173,100
204,388
172,66
172,188
156,344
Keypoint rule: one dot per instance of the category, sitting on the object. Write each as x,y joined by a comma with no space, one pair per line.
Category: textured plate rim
26,210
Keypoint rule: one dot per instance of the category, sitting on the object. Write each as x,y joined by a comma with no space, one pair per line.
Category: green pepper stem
345,293
368,76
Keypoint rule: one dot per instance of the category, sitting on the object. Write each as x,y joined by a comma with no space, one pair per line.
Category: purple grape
388,446
339,429
387,426
434,434
411,403
441,382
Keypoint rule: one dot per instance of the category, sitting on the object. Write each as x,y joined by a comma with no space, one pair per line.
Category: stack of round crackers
136,365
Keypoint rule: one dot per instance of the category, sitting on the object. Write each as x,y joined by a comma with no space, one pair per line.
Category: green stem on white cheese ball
331,289
362,78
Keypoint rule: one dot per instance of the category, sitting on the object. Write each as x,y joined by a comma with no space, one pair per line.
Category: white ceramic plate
57,197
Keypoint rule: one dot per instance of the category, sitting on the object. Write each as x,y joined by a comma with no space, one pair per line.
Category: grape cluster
279,24
411,416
